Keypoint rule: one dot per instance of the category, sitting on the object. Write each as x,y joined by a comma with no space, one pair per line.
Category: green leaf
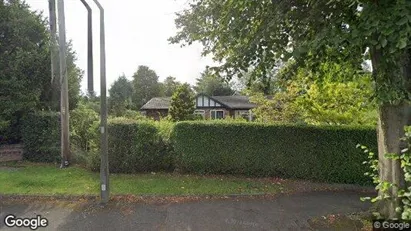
402,43
383,42
402,21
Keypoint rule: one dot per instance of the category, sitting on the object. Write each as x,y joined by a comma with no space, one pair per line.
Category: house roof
235,101
157,103
232,102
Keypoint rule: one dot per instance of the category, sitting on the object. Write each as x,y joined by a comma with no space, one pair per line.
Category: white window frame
217,110
200,112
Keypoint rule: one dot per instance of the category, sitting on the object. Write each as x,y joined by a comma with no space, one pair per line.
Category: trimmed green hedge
40,133
136,146
325,154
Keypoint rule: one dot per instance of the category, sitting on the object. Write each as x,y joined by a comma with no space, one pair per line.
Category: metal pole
53,47
64,104
90,71
104,170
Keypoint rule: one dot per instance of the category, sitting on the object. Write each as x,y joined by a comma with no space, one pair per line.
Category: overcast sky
136,34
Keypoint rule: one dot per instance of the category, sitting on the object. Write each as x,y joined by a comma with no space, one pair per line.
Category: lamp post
104,170
90,71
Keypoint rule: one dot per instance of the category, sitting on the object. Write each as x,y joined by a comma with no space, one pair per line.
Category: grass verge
42,179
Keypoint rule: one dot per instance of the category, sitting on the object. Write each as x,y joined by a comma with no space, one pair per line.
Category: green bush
324,153
41,137
84,124
93,160
135,146
10,131
165,130
136,115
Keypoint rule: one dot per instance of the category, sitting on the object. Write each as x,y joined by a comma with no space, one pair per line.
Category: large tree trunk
391,123
392,119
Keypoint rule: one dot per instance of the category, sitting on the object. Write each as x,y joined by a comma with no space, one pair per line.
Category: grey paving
286,212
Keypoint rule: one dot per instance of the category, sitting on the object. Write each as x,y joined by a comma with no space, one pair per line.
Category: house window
199,113
217,114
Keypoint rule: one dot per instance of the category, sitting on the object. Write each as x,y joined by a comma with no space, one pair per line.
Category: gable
205,101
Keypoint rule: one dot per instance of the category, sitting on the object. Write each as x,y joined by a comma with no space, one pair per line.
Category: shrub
84,133
135,146
389,191
237,119
182,104
294,151
84,123
10,131
134,115
165,130
93,160
41,137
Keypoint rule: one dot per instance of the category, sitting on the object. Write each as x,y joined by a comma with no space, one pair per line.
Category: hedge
136,146
10,131
40,133
326,154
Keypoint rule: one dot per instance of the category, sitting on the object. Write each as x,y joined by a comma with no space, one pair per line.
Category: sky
136,34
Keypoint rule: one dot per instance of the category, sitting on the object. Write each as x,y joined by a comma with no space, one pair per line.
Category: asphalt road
286,212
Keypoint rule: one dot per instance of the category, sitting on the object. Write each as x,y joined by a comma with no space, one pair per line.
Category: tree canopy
146,86
242,34
169,86
120,92
25,75
212,85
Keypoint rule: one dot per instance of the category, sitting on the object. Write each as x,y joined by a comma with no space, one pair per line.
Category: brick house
209,107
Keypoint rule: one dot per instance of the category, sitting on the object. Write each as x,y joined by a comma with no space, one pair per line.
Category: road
285,212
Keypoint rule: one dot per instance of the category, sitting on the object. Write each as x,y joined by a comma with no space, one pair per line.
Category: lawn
41,179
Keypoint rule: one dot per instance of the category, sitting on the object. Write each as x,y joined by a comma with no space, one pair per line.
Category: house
208,107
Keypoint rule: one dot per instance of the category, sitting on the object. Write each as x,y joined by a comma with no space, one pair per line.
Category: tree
269,85
170,85
279,108
212,85
342,97
146,86
182,104
92,101
23,50
246,33
25,81
50,96
338,102
120,93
